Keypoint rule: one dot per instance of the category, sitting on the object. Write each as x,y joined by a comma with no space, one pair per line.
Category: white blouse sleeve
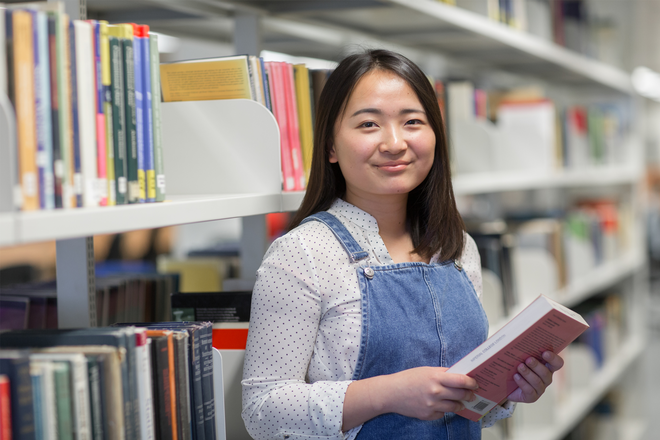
278,402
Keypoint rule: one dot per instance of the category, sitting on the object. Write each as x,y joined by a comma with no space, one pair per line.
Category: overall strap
355,252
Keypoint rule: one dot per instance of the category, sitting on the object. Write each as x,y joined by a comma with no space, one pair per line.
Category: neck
389,212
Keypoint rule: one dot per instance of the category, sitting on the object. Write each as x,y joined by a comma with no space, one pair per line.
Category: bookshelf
230,169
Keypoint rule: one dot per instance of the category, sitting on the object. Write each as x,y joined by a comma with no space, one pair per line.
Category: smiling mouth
393,166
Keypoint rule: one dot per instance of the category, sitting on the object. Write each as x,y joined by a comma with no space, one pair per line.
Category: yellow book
305,123
206,79
196,274
24,101
106,81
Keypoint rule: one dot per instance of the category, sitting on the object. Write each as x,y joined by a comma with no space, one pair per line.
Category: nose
393,141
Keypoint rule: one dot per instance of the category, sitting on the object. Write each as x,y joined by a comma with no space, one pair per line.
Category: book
305,123
75,166
139,93
95,399
294,132
15,364
63,398
46,380
54,70
145,392
147,116
159,167
5,400
99,99
118,117
163,386
544,325
106,97
204,79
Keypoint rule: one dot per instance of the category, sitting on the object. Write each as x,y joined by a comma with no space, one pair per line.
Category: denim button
458,265
369,272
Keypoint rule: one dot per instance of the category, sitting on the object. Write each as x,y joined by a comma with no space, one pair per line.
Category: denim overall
413,314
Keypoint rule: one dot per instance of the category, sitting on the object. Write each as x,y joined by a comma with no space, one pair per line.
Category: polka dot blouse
305,328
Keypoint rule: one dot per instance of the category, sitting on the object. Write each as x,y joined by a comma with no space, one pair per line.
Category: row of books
126,382
496,130
119,298
522,257
87,101
287,90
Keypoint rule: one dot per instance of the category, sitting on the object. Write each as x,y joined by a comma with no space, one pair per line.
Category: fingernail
522,368
472,398
547,356
531,362
517,376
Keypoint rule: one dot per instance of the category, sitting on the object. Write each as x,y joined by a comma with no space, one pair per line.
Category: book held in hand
544,325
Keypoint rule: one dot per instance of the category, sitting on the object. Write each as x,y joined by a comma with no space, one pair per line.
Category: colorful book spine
62,378
99,100
147,116
63,167
75,165
17,369
294,132
305,124
118,115
159,167
279,110
5,408
24,103
139,111
106,82
43,109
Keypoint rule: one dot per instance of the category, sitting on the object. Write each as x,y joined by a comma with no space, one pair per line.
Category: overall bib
413,315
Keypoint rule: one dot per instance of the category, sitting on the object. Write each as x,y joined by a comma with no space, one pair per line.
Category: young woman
358,311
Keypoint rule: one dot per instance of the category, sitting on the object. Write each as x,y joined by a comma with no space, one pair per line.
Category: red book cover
230,335
276,83
543,325
294,131
5,409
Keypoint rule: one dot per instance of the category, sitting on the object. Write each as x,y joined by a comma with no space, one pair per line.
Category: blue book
16,365
73,87
43,111
150,172
139,110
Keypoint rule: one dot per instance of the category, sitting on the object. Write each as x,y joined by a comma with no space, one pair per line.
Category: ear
332,155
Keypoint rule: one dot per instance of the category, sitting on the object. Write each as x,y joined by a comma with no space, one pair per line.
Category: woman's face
383,142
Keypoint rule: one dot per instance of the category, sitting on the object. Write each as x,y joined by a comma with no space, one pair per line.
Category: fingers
534,377
553,361
458,381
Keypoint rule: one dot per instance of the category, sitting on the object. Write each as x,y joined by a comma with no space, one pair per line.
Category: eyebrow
377,111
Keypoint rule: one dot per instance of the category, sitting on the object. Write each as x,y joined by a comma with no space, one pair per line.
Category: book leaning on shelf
544,325
78,143
124,382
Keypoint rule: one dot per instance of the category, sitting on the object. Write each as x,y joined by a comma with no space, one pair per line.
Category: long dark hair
433,219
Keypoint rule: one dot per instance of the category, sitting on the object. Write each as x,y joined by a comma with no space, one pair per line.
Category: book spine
36,376
180,341
118,119
80,387
24,103
86,92
144,386
105,97
294,132
161,387
134,417
64,401
172,380
57,166
303,100
64,97
43,108
159,167
279,110
76,163
5,403
207,380
99,100
130,115
147,115
139,111
195,353
265,85
96,406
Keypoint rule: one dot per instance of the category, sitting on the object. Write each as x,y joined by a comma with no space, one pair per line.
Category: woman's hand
533,377
425,393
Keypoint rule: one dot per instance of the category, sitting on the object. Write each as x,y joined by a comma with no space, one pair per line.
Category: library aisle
122,207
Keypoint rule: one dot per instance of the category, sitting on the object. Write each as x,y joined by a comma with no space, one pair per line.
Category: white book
79,390
48,402
86,111
145,395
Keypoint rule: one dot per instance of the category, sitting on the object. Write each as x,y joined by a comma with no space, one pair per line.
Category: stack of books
133,382
87,102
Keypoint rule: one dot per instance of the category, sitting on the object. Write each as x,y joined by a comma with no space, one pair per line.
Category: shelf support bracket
254,244
76,283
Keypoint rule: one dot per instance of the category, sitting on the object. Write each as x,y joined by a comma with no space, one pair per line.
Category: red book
230,335
5,409
294,131
544,325
277,92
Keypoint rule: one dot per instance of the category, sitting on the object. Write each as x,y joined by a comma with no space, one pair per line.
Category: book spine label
159,168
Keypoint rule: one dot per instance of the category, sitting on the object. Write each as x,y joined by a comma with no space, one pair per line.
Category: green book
155,111
62,377
118,117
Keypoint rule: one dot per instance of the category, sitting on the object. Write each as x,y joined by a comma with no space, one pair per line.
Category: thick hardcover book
118,117
182,378
159,168
208,78
162,387
15,364
171,396
544,325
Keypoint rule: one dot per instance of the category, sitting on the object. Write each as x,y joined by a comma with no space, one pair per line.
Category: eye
414,122
368,124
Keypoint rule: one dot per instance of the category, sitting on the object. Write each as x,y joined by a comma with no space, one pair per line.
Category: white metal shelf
476,183
291,200
580,402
